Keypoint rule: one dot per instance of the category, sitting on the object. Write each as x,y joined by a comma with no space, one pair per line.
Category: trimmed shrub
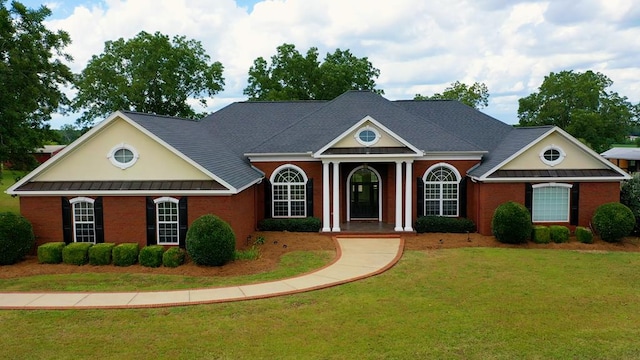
210,241
125,254
511,223
76,253
151,256
444,224
16,238
173,257
630,196
100,254
584,235
308,224
559,233
613,221
50,253
541,234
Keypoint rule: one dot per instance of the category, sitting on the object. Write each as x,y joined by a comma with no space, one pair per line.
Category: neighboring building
47,152
627,158
360,157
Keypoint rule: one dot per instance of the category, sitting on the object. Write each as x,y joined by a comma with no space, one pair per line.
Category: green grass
8,203
448,304
293,263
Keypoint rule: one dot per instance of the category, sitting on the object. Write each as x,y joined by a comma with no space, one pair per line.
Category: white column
408,196
326,212
398,226
336,197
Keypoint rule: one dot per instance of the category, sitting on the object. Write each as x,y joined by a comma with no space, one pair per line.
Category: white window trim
163,200
533,203
114,162
555,162
73,202
441,200
367,143
271,180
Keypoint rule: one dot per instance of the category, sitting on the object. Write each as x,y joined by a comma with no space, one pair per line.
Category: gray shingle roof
511,143
220,141
315,130
196,142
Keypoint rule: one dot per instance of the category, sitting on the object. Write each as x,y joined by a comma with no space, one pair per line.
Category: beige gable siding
350,141
576,157
88,161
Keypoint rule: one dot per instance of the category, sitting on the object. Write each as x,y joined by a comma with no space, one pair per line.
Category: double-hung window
167,221
289,192
441,191
84,220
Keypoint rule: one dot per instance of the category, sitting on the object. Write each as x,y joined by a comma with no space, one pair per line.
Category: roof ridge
158,115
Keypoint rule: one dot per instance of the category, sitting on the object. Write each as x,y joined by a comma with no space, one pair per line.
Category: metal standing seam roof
622,153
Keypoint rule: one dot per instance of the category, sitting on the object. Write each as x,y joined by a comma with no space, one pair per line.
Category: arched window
167,221
441,190
289,192
84,220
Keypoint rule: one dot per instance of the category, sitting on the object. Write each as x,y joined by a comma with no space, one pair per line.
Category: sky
420,46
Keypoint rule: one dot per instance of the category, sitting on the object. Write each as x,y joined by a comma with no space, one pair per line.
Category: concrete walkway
357,258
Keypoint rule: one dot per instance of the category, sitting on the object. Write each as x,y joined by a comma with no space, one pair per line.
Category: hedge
76,253
541,234
443,224
100,254
308,224
151,256
16,238
173,257
584,235
125,254
613,221
50,253
559,233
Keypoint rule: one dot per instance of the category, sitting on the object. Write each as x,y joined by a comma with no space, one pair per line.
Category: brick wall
45,215
125,219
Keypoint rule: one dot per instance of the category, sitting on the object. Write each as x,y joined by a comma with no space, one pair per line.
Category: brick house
358,158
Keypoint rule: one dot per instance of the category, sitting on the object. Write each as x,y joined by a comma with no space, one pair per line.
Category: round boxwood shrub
16,238
210,241
511,223
613,221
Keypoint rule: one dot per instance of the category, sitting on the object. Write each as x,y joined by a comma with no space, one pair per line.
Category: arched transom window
289,195
441,189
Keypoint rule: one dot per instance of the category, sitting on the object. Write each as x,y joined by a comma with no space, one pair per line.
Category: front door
364,186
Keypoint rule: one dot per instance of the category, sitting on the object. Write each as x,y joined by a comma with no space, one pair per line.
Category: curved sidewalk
356,258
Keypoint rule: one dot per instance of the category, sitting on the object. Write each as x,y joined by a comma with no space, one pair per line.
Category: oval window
552,155
367,136
123,156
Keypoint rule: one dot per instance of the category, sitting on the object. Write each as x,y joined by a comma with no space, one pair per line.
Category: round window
552,155
367,136
123,156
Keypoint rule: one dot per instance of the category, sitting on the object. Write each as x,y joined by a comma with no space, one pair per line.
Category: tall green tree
292,76
149,73
476,95
32,73
580,104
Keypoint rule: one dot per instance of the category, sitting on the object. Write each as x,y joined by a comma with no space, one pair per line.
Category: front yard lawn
467,303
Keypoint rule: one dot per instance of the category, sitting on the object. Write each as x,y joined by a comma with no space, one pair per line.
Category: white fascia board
568,136
179,153
484,176
55,159
555,179
126,193
368,118
270,157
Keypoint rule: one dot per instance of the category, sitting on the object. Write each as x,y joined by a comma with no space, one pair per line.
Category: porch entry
364,194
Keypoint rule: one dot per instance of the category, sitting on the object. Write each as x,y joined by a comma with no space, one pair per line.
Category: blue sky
419,46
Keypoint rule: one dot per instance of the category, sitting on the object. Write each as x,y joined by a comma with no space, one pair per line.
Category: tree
580,104
148,73
31,75
292,76
476,95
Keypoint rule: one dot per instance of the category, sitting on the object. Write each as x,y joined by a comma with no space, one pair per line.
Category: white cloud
419,46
